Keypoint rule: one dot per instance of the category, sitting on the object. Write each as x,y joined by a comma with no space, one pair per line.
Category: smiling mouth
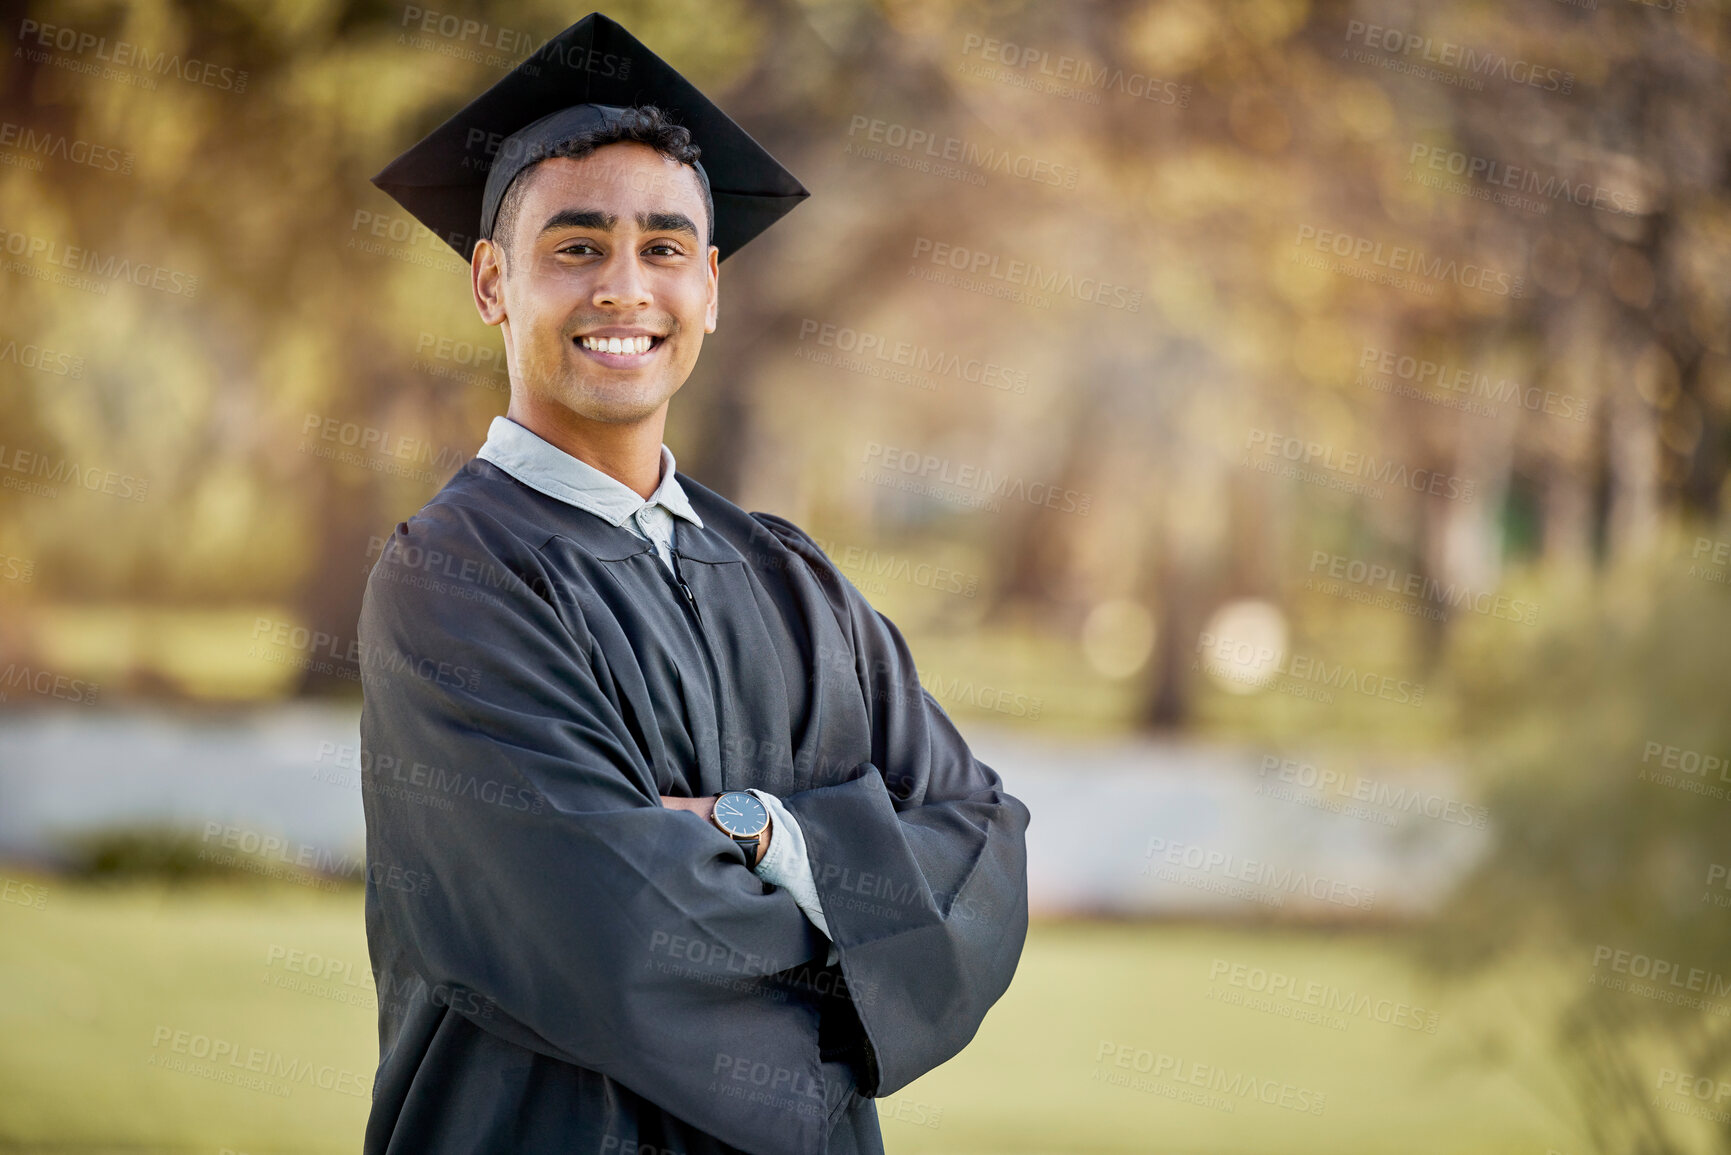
620,351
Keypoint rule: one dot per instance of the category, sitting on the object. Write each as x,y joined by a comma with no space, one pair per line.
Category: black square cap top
445,179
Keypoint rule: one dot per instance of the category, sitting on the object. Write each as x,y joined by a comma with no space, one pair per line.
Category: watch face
740,814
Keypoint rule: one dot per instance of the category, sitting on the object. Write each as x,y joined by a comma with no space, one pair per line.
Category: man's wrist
704,808
763,843
760,849
770,804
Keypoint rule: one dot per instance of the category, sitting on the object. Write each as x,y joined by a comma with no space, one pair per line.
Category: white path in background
1110,817
1124,826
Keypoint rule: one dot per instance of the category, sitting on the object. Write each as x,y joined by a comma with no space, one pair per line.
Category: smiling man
668,850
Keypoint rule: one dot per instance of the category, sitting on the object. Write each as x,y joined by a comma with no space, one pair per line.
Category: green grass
93,978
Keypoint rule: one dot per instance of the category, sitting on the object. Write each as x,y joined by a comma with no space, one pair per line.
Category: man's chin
611,403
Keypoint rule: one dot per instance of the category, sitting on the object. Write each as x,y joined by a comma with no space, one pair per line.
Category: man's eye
575,245
667,247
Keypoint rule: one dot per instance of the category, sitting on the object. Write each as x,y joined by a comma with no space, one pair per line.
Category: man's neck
628,452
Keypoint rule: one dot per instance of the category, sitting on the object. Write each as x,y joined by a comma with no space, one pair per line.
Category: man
668,851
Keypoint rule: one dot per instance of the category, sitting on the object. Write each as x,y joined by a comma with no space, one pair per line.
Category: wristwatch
742,818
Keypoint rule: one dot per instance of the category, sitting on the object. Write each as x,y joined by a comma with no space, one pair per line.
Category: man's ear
714,309
487,278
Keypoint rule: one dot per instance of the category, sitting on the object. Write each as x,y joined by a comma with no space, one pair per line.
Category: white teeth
622,345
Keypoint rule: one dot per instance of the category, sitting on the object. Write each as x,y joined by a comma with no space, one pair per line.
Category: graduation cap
589,74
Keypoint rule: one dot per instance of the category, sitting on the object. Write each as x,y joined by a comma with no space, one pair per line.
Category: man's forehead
629,175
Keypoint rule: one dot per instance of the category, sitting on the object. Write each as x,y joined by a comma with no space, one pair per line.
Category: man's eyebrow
658,222
580,219
666,223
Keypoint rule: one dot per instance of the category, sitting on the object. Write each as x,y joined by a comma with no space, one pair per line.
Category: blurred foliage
1242,130
180,854
168,853
1603,744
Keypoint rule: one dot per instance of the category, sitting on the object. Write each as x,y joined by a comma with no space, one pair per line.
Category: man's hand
702,807
705,807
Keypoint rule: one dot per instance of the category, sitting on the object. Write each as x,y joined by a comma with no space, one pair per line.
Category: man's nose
622,284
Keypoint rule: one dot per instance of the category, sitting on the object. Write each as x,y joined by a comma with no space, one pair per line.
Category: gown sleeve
788,864
920,857
535,878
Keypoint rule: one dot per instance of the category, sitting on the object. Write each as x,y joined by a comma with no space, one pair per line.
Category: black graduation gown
565,965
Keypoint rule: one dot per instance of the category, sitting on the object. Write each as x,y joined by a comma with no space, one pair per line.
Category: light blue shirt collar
548,469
